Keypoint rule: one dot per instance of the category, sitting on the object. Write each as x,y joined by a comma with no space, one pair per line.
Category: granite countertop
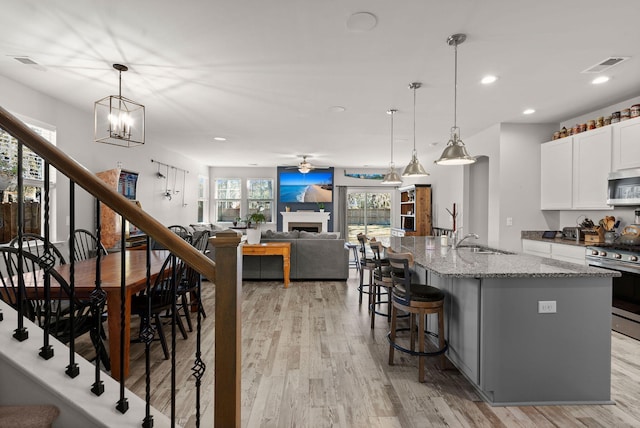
536,235
463,263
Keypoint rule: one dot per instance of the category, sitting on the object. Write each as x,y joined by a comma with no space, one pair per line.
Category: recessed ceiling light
600,79
336,109
486,80
362,21
219,138
529,111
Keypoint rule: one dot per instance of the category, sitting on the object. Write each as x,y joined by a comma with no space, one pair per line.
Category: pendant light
118,120
392,176
455,153
414,169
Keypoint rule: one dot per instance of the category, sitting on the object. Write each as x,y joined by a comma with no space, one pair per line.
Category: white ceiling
265,74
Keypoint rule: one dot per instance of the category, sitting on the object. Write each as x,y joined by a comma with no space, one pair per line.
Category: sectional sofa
314,256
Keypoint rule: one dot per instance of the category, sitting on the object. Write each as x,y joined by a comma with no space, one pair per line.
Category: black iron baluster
98,297
20,333
73,369
199,367
48,262
174,299
147,334
123,404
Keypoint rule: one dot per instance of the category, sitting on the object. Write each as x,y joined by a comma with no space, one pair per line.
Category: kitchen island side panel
546,358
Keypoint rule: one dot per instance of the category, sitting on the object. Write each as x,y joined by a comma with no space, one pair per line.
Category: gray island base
524,330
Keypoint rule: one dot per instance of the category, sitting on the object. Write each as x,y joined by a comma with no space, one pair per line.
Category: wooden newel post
228,337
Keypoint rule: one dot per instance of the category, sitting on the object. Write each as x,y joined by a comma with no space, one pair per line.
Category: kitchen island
525,330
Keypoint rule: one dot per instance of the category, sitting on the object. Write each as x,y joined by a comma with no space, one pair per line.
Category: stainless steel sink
481,250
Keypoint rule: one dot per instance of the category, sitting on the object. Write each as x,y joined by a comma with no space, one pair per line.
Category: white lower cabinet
536,248
563,252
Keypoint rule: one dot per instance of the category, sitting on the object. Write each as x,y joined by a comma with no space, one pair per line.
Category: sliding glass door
368,212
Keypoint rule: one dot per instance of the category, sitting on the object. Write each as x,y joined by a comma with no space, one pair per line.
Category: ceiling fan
305,166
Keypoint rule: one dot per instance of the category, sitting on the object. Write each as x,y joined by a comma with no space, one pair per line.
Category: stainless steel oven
626,288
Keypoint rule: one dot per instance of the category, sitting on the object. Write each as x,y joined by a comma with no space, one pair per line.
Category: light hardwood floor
310,359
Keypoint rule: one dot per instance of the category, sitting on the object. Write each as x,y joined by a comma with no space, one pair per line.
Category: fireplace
305,220
306,226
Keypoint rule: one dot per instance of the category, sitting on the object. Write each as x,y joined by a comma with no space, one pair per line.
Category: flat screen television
314,186
127,184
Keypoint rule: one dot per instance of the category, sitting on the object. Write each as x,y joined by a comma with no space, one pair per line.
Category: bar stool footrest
417,353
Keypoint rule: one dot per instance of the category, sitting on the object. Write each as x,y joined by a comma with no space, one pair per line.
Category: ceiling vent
606,64
25,60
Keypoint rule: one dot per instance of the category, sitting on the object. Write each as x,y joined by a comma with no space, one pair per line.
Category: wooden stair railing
227,358
96,187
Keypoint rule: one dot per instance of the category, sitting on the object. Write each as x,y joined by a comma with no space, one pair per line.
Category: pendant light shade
392,177
118,120
455,153
415,168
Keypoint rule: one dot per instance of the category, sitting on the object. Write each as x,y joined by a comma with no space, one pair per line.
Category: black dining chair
189,287
86,245
161,297
179,230
54,312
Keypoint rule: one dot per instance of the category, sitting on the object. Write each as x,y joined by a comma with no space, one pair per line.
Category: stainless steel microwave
624,187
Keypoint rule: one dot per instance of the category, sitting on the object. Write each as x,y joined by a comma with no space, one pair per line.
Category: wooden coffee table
272,249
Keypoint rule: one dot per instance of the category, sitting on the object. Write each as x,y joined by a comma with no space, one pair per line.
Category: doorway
368,212
478,218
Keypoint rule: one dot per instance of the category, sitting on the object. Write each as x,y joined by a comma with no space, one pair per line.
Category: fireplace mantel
305,217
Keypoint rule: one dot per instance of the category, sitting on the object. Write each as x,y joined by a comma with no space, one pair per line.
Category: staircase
27,378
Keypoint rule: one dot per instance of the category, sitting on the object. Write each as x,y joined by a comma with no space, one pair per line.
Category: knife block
594,236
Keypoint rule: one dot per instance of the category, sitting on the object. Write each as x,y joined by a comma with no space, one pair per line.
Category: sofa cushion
321,235
270,234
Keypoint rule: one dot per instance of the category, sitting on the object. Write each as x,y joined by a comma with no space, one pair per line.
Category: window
33,176
260,196
228,198
203,199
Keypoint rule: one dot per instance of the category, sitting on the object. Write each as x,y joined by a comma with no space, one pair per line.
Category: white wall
520,181
513,151
75,136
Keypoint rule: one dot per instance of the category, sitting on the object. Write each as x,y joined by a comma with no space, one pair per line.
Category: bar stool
381,283
366,264
355,262
419,300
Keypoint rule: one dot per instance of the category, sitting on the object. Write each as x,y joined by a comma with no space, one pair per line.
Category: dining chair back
179,230
86,245
37,245
189,287
201,240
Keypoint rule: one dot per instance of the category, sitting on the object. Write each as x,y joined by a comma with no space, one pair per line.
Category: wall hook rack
168,193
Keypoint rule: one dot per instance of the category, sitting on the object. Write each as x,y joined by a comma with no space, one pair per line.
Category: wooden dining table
135,280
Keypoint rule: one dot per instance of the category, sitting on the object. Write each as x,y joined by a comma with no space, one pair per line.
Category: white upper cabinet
574,171
591,167
626,144
557,174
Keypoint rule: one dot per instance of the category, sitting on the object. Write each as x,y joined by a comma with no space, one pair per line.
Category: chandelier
118,120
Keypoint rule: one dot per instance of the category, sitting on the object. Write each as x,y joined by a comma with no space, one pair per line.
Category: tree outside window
260,197
33,181
228,197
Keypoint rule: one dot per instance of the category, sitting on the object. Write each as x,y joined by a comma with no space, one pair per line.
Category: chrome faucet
457,243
